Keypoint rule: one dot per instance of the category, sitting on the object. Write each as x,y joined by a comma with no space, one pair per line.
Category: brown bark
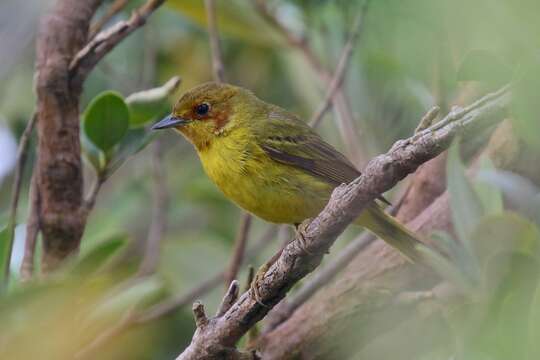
62,34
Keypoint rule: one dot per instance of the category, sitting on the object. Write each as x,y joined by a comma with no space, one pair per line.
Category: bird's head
209,111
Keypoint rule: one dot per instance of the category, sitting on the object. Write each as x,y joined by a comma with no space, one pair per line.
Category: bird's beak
169,122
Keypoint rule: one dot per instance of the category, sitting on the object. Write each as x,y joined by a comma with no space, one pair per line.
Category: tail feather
391,231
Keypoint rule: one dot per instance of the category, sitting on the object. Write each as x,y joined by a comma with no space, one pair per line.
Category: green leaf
127,298
483,65
146,105
106,120
4,252
525,103
534,325
465,204
94,156
504,233
134,141
99,255
447,270
490,195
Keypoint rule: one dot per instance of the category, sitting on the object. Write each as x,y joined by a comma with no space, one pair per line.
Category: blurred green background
411,55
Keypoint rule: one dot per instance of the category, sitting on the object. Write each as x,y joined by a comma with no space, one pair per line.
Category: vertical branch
158,225
217,61
65,57
32,231
22,155
59,170
239,249
219,75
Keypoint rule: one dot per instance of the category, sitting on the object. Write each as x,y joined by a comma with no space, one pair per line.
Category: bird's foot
257,280
302,242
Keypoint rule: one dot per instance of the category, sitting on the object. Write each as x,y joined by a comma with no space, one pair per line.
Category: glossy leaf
106,120
147,105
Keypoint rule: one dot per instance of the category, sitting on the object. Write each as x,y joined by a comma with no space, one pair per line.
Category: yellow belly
274,192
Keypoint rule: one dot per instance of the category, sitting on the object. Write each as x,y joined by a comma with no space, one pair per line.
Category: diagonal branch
341,68
87,58
305,252
344,115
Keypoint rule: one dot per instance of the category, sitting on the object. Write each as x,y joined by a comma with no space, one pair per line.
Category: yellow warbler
268,161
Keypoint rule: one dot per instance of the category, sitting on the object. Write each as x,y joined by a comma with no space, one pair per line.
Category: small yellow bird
268,161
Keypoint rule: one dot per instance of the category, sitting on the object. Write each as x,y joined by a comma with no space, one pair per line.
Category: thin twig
172,304
32,230
341,68
158,225
219,76
213,33
114,9
239,248
166,307
86,59
22,155
344,116
90,200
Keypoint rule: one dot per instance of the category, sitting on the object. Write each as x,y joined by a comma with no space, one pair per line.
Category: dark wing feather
301,147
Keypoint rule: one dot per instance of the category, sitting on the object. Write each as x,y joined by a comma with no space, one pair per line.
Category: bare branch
158,224
305,252
32,230
170,305
230,297
200,316
114,9
22,155
344,116
341,68
217,59
239,248
87,58
59,172
427,120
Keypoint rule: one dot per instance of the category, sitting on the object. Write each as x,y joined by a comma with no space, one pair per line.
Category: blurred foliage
411,55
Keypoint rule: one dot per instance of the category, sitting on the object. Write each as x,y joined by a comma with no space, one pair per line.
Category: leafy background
412,55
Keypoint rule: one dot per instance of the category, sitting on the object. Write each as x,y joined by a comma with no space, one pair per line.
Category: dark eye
202,109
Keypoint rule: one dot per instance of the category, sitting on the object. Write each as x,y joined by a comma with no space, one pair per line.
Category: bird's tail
391,231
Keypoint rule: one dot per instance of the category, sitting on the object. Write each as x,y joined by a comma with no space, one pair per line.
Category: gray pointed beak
169,122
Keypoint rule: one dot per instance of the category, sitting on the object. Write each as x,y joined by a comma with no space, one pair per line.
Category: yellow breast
248,176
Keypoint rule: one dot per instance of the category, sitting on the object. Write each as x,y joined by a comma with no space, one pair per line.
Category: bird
270,162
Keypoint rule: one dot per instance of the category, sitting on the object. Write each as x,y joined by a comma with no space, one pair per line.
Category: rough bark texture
62,34
301,256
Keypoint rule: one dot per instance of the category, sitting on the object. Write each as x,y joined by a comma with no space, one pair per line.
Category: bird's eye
202,109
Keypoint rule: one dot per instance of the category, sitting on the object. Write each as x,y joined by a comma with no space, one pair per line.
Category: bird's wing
299,146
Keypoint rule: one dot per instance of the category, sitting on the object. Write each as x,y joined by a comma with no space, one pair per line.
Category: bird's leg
302,243
260,275
264,268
